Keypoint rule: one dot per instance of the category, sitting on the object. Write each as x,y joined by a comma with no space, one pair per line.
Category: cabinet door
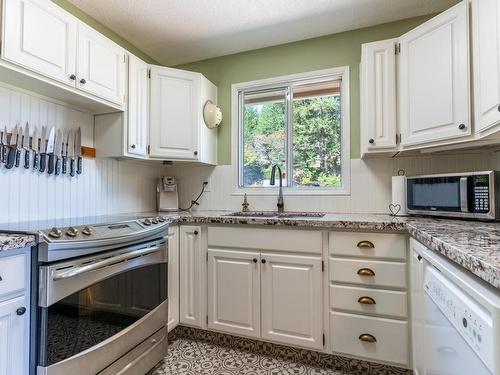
40,36
434,79
14,337
191,279
291,299
138,106
378,95
234,292
101,65
175,110
173,277
486,54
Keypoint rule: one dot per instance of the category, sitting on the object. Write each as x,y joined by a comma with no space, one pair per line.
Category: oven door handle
104,263
464,204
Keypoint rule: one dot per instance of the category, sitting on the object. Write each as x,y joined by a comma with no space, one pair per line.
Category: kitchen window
300,123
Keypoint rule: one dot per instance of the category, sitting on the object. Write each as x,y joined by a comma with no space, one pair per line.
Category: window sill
292,191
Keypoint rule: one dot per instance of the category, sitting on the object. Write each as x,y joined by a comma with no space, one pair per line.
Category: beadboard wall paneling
370,183
106,186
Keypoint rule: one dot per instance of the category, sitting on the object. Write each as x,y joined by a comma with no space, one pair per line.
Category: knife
36,143
12,148
3,141
78,150
71,153
42,149
19,144
49,150
67,134
26,145
57,153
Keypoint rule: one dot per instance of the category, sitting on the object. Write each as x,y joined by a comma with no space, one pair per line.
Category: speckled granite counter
10,241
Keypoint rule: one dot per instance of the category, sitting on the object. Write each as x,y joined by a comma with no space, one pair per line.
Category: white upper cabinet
486,62
174,113
177,129
40,36
138,107
434,79
101,65
378,96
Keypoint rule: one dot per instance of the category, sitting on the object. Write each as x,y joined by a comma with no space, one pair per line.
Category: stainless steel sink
274,214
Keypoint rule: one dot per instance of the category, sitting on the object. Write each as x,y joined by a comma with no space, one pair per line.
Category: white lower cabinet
173,277
291,298
234,292
191,281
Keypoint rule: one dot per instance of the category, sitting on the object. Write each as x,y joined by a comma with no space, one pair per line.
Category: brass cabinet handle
366,337
366,272
365,245
366,300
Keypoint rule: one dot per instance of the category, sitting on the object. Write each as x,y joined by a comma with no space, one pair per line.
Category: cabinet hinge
124,58
207,257
324,339
397,48
149,149
149,73
207,319
322,266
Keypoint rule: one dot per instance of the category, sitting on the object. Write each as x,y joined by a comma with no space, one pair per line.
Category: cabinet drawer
391,337
353,271
370,301
376,245
12,274
266,239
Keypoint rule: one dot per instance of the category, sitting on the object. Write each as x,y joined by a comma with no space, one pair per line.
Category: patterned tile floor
196,352
190,357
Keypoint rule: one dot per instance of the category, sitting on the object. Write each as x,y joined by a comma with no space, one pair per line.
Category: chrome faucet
281,204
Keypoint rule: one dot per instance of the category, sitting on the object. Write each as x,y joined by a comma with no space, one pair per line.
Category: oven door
96,310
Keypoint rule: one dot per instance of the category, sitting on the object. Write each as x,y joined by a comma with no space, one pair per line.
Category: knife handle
43,158
18,158
57,166
2,153
36,160
26,159
79,162
50,168
72,167
64,164
11,158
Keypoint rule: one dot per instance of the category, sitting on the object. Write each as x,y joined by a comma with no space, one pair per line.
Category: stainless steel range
102,303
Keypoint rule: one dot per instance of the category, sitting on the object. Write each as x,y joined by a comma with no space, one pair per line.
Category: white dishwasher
456,319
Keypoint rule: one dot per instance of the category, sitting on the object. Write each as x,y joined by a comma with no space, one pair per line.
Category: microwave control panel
481,193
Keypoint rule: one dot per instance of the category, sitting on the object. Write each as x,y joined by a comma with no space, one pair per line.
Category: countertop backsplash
370,183
106,186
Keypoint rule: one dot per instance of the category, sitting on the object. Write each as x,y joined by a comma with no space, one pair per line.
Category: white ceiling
179,31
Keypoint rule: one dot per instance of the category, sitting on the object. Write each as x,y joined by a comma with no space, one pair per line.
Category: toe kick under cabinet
368,296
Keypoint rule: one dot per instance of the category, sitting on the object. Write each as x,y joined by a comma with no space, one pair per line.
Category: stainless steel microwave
472,195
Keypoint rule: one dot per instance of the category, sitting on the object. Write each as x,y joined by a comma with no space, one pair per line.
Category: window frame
288,81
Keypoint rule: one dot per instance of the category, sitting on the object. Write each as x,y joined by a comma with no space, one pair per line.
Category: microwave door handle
103,263
464,203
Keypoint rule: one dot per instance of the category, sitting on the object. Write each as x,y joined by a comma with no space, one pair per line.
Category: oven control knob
154,220
72,232
55,233
161,219
146,222
87,231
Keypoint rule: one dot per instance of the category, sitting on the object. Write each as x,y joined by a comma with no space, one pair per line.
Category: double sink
275,214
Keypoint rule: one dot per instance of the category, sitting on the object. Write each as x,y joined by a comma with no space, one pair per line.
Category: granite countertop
10,241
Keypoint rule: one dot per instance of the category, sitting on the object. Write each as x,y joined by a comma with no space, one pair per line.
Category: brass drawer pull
366,300
366,272
365,245
366,337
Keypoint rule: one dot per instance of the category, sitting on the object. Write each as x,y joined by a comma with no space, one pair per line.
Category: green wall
92,22
307,55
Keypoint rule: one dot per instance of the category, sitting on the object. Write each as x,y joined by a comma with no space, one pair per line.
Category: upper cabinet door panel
101,65
378,95
175,95
434,79
486,54
40,36
138,106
